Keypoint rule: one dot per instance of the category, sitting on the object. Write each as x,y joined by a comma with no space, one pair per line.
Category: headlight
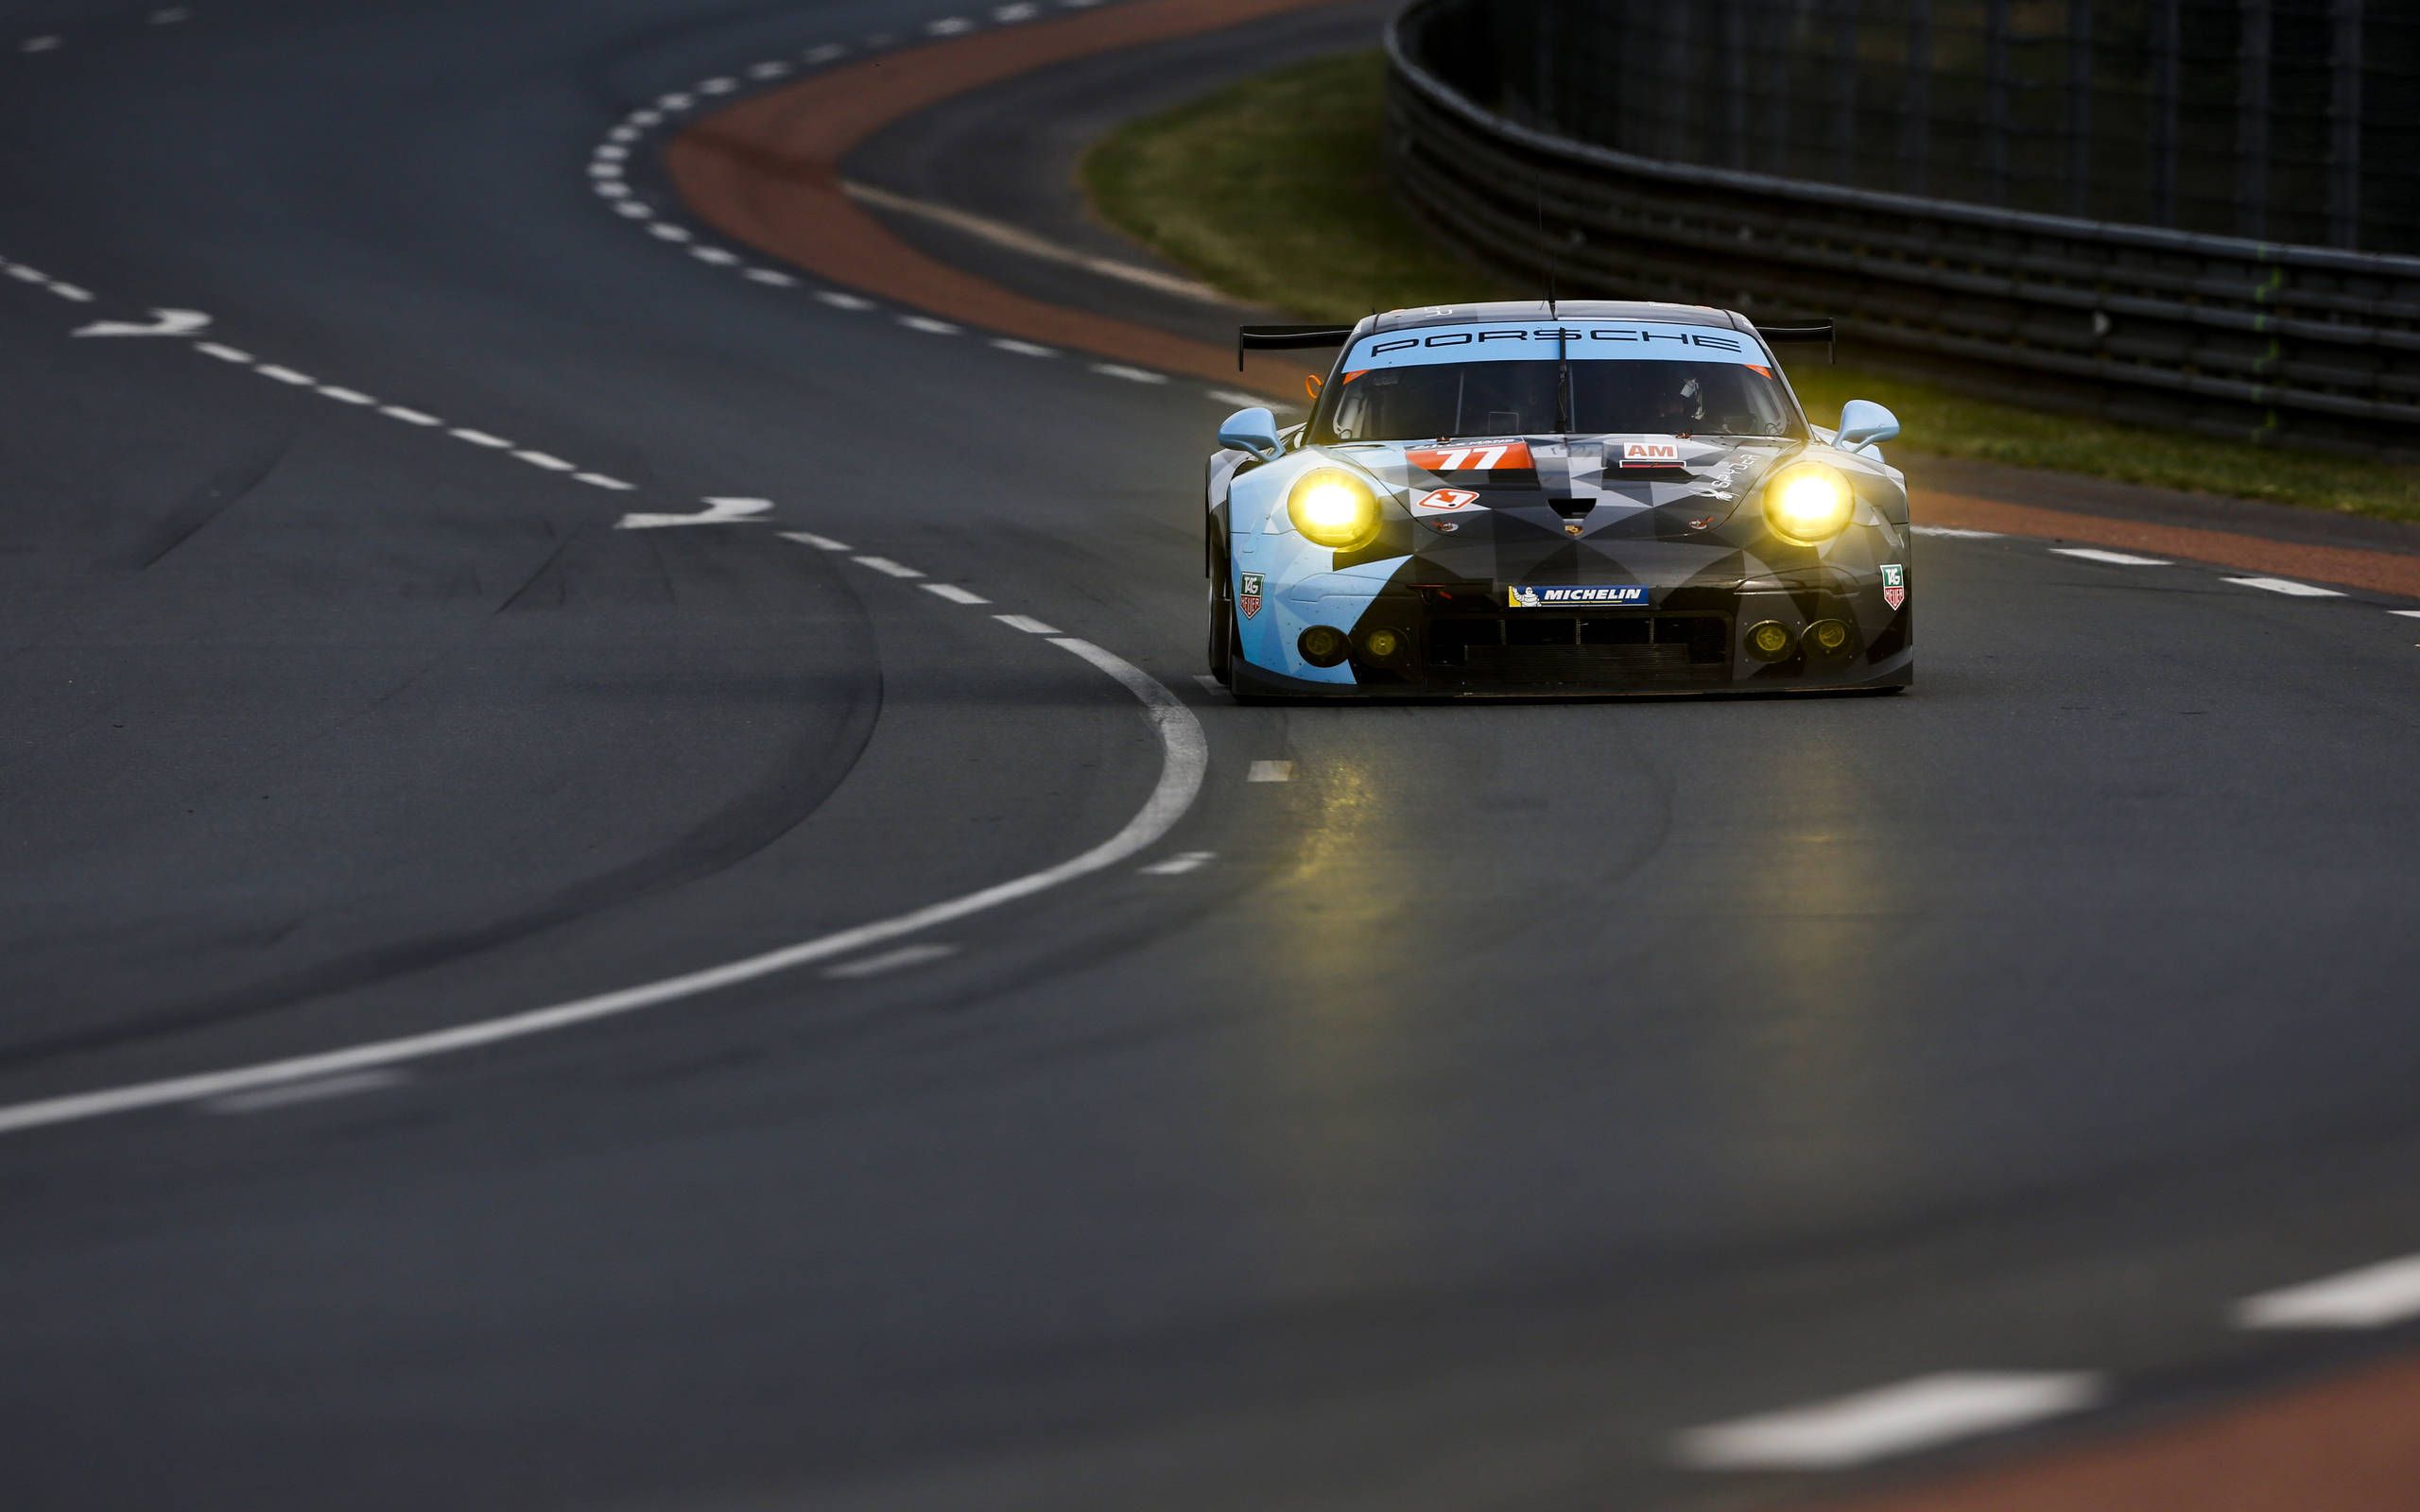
1334,509
1809,502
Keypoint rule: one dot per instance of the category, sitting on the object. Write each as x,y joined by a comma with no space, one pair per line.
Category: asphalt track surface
1505,1092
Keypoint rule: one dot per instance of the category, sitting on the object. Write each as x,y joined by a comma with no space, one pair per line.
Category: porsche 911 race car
1585,497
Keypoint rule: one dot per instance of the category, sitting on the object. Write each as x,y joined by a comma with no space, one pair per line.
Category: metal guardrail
2219,335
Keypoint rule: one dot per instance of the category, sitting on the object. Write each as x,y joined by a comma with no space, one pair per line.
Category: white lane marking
494,443
70,292
345,396
305,1092
826,53
644,118
771,69
949,25
767,275
24,274
551,463
887,567
1132,375
1026,623
1177,865
636,210
2286,586
718,86
674,102
163,323
603,480
2370,1297
672,232
224,354
286,375
1956,533
955,593
612,152
38,45
409,417
2115,559
1238,398
1209,683
903,957
818,543
929,325
1012,14
1184,760
843,301
1025,243
718,512
1895,1419
169,16
2407,614
1023,349
1271,772
714,255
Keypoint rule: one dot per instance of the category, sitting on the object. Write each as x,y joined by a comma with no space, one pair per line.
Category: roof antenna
1538,198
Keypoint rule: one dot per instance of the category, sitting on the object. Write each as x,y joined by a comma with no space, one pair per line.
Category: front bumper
1464,641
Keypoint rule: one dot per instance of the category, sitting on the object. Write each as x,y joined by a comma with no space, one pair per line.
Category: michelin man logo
1524,599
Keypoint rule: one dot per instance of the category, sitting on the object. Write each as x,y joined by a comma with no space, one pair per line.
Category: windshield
1504,381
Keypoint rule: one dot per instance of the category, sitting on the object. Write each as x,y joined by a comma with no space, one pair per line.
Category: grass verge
1274,191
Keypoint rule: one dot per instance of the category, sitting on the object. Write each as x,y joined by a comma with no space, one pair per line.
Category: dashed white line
1009,15
770,70
1956,533
409,417
612,152
1895,1419
636,210
826,53
949,25
1023,349
602,480
715,255
1238,398
929,325
839,301
778,279
1026,623
1177,865
2115,559
224,354
39,44
286,375
319,1091
2286,586
552,464
344,396
672,232
1271,772
717,86
494,443
169,16
818,543
2371,1297
887,567
70,292
904,956
955,593
1132,375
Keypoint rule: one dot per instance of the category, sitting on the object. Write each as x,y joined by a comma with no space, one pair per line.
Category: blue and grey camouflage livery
1590,498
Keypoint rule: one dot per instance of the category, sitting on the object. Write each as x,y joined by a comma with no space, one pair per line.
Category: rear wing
1821,331
1287,338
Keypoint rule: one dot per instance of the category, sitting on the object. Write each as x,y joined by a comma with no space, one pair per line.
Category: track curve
1502,1096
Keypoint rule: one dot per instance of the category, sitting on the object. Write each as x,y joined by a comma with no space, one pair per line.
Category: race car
1565,497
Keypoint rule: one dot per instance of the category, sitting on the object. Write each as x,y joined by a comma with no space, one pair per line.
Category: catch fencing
2223,333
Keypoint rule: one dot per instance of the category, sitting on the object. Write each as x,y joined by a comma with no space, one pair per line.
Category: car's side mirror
1252,430
1863,424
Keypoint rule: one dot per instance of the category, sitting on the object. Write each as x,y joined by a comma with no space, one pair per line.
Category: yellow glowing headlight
1807,503
1334,509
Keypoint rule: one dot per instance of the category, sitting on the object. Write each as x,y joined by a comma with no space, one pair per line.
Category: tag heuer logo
1248,596
1894,584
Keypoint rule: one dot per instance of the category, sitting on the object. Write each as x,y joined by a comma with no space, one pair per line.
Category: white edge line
1184,762
2286,586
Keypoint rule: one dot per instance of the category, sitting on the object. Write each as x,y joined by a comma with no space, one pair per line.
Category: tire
1222,625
